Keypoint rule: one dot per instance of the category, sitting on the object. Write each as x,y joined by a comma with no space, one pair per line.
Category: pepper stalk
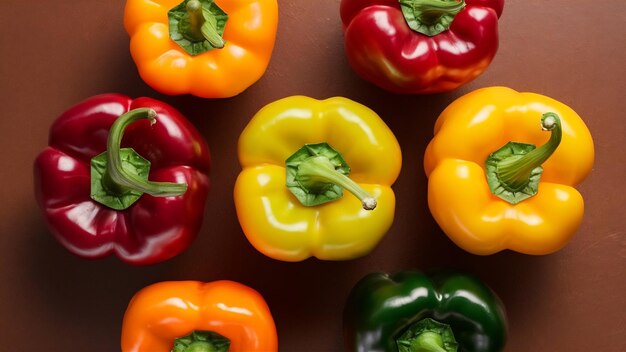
119,176
201,341
317,174
430,17
427,335
514,170
197,26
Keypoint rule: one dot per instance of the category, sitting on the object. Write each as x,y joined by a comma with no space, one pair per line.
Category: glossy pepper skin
460,200
154,228
383,49
274,221
381,307
249,37
160,313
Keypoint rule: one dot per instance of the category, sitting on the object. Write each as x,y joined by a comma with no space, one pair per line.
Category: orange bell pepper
211,49
194,316
490,188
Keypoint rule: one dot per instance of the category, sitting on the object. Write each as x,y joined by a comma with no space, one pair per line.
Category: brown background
56,53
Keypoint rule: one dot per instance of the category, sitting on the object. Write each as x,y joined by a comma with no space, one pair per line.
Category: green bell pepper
412,312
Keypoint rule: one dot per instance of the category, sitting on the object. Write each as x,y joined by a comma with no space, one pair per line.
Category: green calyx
119,176
201,341
197,25
514,170
427,335
317,174
430,17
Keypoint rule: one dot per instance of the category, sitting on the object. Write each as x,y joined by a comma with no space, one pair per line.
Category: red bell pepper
101,210
420,46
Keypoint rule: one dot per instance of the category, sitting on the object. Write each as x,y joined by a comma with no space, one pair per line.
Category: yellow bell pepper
296,155
488,194
211,49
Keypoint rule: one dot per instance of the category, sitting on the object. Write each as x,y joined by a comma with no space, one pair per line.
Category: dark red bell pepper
420,46
98,210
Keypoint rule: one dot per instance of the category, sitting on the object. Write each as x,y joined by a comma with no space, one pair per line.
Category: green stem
196,20
427,335
318,169
427,342
433,9
201,29
116,178
515,172
430,17
201,341
200,346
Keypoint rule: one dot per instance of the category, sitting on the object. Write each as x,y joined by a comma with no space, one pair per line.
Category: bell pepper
191,316
496,181
211,49
420,46
296,154
413,312
91,191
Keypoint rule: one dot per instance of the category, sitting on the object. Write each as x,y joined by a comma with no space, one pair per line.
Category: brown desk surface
56,53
